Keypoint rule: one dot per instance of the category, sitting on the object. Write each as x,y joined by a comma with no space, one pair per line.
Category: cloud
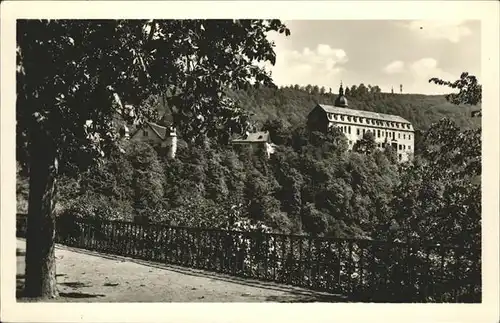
424,69
415,75
427,67
394,67
452,31
318,66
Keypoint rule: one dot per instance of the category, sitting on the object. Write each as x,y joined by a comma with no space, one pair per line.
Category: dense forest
311,185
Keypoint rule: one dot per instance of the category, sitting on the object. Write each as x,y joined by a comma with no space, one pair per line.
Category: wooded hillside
292,104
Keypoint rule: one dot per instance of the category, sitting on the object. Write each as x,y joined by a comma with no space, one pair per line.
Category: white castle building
386,129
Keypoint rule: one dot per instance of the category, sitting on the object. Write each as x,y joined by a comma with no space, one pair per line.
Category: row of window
403,147
377,133
374,122
400,147
382,145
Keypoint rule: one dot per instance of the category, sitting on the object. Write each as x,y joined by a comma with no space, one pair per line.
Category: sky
386,53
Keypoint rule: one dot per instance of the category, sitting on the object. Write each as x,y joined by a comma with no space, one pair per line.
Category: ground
85,276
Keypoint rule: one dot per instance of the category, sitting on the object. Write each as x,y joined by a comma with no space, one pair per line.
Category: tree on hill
366,145
470,91
280,134
439,197
74,76
391,154
354,91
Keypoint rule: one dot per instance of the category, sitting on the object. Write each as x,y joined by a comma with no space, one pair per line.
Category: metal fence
363,270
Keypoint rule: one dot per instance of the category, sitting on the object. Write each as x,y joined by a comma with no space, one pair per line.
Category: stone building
387,129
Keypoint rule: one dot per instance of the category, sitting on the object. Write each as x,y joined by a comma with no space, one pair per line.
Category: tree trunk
40,272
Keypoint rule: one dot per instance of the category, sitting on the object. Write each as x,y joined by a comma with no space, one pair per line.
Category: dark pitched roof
259,136
363,114
160,131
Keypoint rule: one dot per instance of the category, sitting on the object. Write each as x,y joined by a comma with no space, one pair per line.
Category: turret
171,142
341,100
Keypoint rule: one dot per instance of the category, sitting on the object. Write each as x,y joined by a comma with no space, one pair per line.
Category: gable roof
160,131
259,136
362,113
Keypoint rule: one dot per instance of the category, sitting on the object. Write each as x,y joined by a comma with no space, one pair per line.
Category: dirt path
85,276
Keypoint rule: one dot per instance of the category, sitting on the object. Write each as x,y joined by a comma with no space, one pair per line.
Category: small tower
126,132
171,142
341,100
400,88
392,90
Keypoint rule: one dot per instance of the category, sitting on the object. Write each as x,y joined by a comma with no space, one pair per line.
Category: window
342,118
363,131
393,135
378,133
355,119
357,131
335,117
409,147
409,136
348,118
145,133
404,136
400,147
404,146
400,157
399,136
349,129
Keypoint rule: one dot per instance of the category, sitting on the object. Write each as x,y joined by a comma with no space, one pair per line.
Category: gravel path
85,276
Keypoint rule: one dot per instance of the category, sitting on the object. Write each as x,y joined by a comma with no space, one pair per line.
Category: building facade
156,135
260,140
386,129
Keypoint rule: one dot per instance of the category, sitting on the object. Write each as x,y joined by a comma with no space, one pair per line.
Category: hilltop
292,105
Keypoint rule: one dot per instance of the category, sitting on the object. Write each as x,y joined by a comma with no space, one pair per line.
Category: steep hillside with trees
292,105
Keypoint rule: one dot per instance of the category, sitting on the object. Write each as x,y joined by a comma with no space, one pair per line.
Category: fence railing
363,270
